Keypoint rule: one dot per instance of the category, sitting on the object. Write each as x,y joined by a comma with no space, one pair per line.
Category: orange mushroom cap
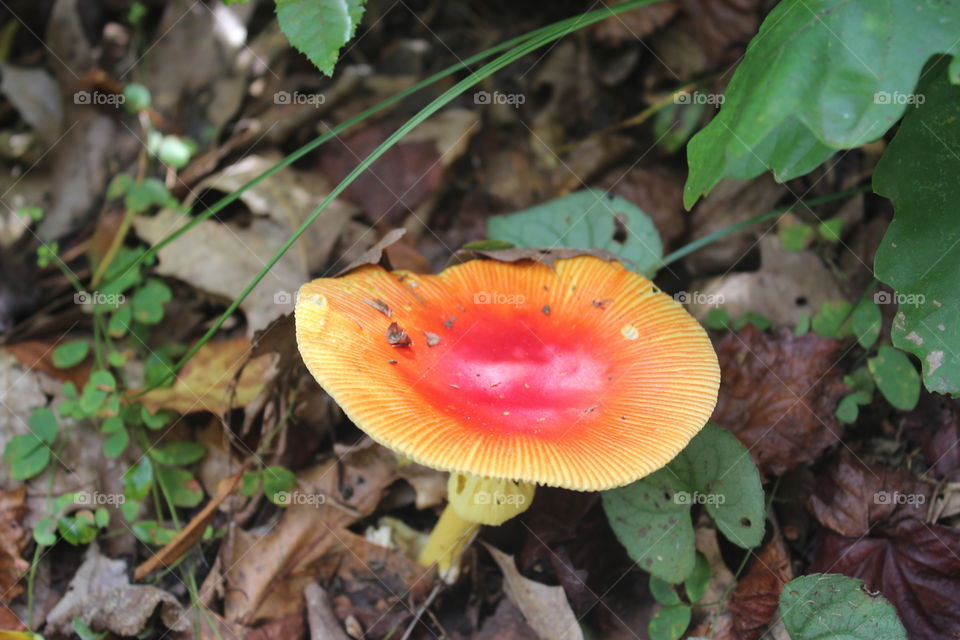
582,375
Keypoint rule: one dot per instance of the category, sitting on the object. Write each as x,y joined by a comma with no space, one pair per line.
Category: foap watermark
495,297
497,97
298,98
97,499
698,97
898,97
685,497
900,299
895,497
99,97
289,498
698,297
97,298
499,498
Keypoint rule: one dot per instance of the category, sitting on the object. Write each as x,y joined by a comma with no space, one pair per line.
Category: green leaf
750,317
152,532
43,532
918,255
795,237
896,377
803,325
95,392
150,193
829,321
117,443
250,483
586,219
79,529
137,480
675,123
180,485
834,607
865,321
696,584
651,517
43,424
120,320
156,420
663,592
717,319
70,354
277,479
178,453
488,245
148,301
320,28
85,633
821,75
669,623
848,409
27,456
831,230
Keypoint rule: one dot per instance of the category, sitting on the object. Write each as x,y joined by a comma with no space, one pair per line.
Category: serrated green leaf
835,607
821,75
586,219
669,623
320,28
896,377
651,517
918,256
177,453
70,354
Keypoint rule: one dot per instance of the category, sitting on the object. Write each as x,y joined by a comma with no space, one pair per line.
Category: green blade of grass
543,36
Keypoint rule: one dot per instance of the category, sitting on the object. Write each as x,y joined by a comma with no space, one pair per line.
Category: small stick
324,624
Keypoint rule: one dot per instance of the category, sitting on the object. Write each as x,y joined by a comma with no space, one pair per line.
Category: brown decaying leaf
38,356
915,565
754,602
206,382
656,191
632,25
268,573
778,393
13,540
545,608
935,426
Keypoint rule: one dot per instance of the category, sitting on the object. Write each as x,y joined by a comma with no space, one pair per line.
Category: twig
324,624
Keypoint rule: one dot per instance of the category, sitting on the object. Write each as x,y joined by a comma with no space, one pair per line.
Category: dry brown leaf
657,192
545,608
633,25
103,598
778,394
37,355
14,538
268,573
756,598
207,382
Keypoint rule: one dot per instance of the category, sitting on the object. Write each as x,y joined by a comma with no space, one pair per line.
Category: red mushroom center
504,373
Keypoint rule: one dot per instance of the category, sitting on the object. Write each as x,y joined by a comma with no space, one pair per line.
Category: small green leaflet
896,377
826,606
320,28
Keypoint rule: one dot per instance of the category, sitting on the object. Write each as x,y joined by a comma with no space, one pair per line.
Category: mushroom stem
473,501
449,538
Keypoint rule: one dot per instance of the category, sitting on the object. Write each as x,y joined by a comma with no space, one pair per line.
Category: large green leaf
820,75
829,606
586,219
920,253
651,517
320,28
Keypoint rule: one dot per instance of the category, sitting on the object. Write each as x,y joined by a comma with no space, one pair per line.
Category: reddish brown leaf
935,426
778,393
756,597
852,496
888,544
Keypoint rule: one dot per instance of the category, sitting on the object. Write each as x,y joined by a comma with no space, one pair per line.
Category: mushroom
580,375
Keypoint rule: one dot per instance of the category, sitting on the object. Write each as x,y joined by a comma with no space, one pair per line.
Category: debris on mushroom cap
588,397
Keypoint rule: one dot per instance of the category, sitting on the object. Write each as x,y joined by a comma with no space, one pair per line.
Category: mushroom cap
582,375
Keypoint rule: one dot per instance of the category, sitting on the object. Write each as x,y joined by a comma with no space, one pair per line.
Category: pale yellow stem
450,537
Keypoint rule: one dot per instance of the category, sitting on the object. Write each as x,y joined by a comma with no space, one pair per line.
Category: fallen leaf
754,602
102,597
21,390
935,426
506,622
545,608
37,355
875,530
778,393
633,25
207,382
268,573
658,192
14,538
35,95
